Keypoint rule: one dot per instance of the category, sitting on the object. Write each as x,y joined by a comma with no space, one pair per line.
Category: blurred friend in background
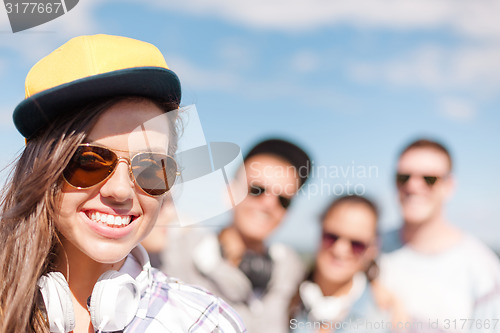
339,294
443,275
256,279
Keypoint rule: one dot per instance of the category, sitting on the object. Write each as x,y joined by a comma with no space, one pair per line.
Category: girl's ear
372,271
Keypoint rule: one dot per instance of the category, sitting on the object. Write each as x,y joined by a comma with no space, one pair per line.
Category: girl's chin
108,254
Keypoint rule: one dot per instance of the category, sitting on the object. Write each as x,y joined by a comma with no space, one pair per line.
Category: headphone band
115,300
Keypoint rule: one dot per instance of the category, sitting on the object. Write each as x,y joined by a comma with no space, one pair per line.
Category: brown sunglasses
154,173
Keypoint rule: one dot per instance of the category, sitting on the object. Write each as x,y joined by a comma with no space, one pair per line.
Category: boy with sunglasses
257,280
447,279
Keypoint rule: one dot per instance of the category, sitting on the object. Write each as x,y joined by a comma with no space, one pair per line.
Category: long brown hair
29,241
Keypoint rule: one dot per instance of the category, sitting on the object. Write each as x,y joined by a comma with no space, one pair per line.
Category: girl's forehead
131,116
148,139
133,142
132,126
351,219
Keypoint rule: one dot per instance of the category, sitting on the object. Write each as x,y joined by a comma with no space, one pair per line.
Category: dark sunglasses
256,191
154,173
357,247
402,179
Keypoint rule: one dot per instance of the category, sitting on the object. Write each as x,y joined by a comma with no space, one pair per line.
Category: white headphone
113,303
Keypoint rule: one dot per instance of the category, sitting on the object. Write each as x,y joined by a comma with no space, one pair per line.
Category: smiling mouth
114,221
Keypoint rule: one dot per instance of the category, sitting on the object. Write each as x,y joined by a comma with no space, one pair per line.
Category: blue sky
352,82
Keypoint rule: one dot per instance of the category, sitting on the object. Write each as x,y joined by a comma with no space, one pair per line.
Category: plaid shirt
168,305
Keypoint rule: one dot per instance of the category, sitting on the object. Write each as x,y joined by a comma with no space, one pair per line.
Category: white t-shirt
442,289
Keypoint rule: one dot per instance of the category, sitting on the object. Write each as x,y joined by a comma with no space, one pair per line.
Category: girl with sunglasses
99,122
339,293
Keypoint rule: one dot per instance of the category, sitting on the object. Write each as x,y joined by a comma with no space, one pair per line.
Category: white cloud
457,109
479,66
224,78
196,77
422,68
473,68
477,18
236,55
305,61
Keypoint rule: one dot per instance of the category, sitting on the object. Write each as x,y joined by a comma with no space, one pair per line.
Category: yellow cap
90,67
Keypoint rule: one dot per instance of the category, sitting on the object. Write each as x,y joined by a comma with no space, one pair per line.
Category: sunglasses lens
328,239
285,202
155,173
89,166
358,248
401,179
430,180
256,190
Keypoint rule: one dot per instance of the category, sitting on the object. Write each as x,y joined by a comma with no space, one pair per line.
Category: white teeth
124,220
110,220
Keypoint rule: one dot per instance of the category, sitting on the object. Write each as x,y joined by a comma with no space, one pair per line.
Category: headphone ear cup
58,303
114,301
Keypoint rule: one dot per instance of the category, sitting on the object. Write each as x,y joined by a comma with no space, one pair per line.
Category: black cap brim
39,110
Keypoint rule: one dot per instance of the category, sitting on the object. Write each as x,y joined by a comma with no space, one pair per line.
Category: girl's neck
82,273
